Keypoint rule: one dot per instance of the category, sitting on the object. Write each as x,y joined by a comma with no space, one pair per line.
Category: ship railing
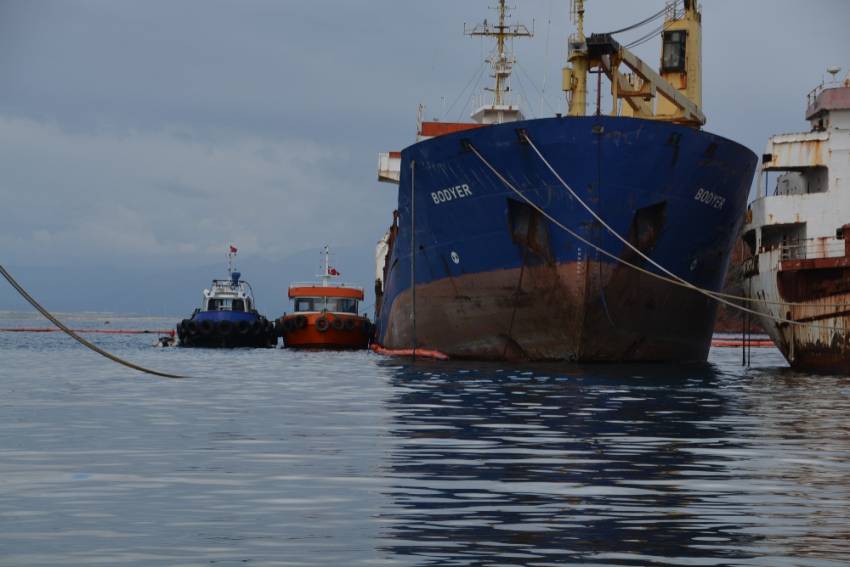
330,284
813,248
812,97
483,100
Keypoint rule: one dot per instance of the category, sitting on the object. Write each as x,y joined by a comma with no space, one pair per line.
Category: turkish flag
333,271
233,249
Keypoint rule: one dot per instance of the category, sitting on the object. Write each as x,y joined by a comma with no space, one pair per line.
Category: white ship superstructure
798,229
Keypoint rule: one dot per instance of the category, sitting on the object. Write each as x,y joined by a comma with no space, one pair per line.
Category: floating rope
673,279
77,337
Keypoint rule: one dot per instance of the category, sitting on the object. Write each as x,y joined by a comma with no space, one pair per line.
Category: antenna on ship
231,254
501,62
328,271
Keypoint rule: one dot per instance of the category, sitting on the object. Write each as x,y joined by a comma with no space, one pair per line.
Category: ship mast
501,62
575,77
326,268
230,255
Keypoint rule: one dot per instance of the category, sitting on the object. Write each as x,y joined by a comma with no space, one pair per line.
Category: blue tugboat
228,317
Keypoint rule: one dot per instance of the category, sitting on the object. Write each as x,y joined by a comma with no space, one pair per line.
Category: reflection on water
283,458
600,465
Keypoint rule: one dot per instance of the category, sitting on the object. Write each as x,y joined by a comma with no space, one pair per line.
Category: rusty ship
798,231
544,239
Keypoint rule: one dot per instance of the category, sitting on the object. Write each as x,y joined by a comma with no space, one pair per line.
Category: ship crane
673,95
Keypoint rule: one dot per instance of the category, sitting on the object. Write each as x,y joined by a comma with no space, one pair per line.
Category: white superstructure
800,269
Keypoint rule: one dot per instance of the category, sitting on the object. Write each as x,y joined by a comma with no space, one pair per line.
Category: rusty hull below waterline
819,289
563,312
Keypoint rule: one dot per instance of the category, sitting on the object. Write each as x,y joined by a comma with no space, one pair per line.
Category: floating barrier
101,331
424,353
758,343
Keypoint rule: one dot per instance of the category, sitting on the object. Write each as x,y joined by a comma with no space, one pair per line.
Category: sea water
275,457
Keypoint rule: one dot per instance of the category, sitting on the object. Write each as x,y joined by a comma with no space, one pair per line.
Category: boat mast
575,77
326,267
230,255
501,62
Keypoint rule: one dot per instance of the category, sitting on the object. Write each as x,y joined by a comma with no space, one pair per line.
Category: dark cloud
148,134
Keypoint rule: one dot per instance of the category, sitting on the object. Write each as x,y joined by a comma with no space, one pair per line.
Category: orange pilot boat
325,314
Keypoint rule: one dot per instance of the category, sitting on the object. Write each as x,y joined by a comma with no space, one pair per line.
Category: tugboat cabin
228,299
309,298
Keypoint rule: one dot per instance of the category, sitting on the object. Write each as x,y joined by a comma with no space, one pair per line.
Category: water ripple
285,458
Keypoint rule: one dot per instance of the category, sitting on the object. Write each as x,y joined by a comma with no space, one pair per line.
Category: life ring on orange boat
301,321
290,324
338,324
348,324
243,327
322,324
206,327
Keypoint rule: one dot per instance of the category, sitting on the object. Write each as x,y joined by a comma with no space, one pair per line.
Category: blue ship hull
497,280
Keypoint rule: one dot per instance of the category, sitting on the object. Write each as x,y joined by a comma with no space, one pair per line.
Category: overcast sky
151,133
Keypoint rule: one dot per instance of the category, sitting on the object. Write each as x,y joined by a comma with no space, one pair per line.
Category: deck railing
330,284
812,248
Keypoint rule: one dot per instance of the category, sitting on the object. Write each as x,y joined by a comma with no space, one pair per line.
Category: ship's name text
709,198
450,194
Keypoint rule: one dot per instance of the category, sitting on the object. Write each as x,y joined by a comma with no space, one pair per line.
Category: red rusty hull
822,343
577,311
816,291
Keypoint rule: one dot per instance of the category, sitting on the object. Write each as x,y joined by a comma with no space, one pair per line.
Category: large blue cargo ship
557,238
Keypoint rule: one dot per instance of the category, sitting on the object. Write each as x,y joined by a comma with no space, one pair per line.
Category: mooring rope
74,335
674,280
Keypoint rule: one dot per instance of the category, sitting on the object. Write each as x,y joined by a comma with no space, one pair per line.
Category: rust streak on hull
577,311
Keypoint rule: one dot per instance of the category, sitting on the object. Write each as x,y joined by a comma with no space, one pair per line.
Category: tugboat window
342,305
305,304
673,53
238,305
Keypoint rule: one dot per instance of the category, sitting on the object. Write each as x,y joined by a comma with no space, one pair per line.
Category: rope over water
77,337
